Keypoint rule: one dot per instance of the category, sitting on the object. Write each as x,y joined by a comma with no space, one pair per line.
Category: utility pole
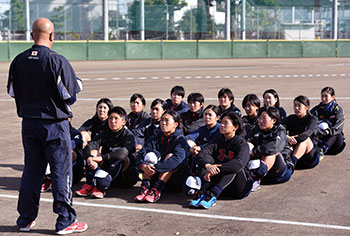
228,20
142,20
243,20
335,20
27,20
105,20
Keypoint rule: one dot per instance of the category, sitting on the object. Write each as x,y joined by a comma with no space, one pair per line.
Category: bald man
44,86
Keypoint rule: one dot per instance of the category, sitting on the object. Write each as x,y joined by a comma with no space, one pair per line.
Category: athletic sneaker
86,190
96,193
208,200
76,227
46,186
141,197
28,227
195,203
153,195
256,185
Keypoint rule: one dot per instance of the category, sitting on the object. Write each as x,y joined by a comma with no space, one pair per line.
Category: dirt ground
313,202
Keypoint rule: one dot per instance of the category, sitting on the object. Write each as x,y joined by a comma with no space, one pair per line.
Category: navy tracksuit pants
46,141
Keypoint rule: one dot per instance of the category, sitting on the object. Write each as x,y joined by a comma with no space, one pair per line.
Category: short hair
235,119
303,100
136,96
179,90
275,94
328,90
252,98
195,97
214,108
120,111
227,92
273,112
174,114
157,101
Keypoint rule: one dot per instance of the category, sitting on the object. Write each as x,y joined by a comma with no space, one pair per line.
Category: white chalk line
199,215
151,99
216,77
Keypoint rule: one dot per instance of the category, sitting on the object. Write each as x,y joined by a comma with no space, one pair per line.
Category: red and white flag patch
34,53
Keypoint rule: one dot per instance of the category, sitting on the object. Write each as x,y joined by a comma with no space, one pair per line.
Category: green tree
155,17
58,18
15,16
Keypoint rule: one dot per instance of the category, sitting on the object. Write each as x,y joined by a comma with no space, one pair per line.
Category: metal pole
243,20
335,20
65,24
105,20
191,24
227,20
27,21
142,20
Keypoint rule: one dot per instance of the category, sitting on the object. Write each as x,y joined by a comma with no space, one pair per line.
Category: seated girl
111,158
163,160
272,99
251,104
98,123
224,163
331,123
137,115
193,118
226,102
150,126
201,136
269,149
302,134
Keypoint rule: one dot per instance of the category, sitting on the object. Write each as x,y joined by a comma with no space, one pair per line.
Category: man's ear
51,36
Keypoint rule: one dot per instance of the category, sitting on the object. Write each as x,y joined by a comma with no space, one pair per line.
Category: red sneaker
46,186
141,197
28,227
86,190
152,196
96,193
76,227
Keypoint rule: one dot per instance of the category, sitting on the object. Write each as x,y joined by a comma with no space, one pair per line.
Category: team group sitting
206,152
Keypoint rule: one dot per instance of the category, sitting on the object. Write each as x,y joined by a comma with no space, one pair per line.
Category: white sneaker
256,185
28,227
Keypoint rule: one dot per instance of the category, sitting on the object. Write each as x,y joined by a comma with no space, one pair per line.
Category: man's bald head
42,32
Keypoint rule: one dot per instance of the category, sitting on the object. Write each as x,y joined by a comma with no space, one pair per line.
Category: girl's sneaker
153,195
86,190
195,203
141,197
96,193
208,201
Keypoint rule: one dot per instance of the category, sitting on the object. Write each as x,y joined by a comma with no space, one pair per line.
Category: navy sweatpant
46,141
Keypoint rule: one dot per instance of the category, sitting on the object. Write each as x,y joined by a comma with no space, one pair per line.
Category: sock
146,183
160,185
294,159
216,190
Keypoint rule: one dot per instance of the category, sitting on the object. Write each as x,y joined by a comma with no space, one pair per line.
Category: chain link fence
165,20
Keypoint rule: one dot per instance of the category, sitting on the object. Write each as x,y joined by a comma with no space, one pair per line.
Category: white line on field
199,215
151,99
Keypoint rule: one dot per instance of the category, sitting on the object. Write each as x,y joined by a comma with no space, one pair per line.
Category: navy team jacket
43,84
162,145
